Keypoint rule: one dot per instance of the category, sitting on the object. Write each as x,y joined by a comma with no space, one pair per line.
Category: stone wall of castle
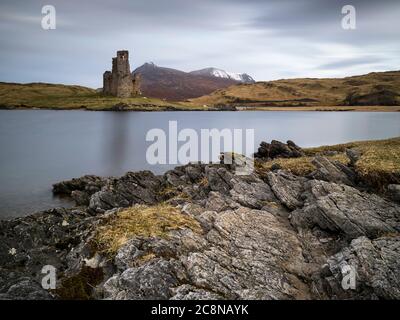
119,82
136,84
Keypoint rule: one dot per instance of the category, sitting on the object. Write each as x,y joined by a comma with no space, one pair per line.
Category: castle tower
107,79
119,81
136,84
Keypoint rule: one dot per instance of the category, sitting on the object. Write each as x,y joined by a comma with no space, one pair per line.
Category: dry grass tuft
203,182
298,166
378,166
170,192
142,221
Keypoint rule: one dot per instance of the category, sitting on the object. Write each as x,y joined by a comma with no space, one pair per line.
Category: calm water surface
39,148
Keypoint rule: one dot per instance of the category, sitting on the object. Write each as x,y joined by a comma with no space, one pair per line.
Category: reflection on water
39,148
115,143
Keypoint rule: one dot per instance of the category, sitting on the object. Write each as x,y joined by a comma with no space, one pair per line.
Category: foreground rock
394,192
264,261
276,236
28,244
345,210
277,149
80,189
287,187
376,263
134,187
332,171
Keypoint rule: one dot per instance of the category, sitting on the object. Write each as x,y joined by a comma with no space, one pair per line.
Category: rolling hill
373,89
59,96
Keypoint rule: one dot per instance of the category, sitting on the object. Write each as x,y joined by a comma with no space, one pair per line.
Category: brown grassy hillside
58,96
373,89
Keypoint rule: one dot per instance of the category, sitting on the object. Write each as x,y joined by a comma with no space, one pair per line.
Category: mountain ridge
219,73
176,85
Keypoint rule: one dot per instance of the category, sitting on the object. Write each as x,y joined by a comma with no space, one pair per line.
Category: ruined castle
120,82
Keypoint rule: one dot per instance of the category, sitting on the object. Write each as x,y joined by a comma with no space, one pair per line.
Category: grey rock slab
287,187
343,209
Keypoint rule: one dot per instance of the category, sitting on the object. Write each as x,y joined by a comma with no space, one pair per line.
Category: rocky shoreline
268,235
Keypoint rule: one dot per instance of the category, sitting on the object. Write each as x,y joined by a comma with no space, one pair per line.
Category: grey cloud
322,19
351,62
267,39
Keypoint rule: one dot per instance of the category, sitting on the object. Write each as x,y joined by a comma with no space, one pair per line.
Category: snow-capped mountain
172,84
219,73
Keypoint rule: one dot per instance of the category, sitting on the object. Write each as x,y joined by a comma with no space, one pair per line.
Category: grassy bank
378,165
57,96
326,108
69,97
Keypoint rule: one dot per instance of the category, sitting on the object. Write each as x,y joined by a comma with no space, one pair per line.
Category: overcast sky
267,39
